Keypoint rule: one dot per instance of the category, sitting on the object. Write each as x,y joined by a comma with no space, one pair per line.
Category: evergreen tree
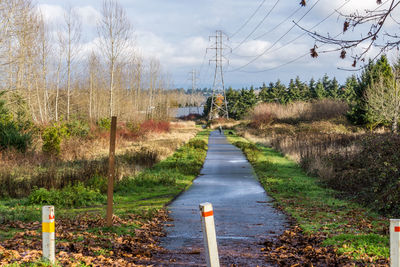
374,71
320,90
333,89
348,92
280,92
233,98
312,87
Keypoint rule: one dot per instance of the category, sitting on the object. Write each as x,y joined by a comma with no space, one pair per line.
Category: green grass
143,194
351,228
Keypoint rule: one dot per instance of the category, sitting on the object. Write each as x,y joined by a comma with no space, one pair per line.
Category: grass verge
350,228
142,194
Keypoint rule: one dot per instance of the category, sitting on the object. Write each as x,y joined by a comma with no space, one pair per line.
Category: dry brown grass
307,143
80,159
224,123
325,109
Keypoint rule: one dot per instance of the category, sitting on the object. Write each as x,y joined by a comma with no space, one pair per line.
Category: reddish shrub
155,126
128,134
261,115
191,117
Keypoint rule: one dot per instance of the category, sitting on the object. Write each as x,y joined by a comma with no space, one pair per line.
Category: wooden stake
111,171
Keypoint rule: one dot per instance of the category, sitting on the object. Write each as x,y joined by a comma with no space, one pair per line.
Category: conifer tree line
373,96
46,73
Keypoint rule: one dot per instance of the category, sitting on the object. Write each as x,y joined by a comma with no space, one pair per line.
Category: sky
263,46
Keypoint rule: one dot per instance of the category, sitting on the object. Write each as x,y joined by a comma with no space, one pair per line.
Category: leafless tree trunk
114,31
70,42
93,67
44,51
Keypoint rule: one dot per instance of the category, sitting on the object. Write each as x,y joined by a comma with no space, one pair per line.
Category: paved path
243,213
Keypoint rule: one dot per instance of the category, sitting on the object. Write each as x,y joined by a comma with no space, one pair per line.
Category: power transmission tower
219,105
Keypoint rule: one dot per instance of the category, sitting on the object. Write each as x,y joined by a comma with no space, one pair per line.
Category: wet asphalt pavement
243,213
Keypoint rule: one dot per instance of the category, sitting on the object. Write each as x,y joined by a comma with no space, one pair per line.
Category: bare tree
154,72
44,51
377,35
114,31
70,41
93,72
60,54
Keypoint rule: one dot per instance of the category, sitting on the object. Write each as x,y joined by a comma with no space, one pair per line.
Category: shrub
98,183
155,126
70,196
77,128
104,123
12,133
191,117
52,137
371,174
198,144
261,116
11,137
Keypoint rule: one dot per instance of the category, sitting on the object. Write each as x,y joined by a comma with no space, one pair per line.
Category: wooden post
111,171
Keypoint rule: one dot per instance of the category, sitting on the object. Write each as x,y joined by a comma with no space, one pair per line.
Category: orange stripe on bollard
397,228
207,213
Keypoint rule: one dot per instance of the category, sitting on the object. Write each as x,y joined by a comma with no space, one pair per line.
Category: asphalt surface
243,213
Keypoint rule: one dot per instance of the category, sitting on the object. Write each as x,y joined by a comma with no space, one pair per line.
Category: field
336,180
139,201
326,229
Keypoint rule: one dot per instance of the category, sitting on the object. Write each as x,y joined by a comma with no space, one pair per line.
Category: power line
258,25
202,63
280,38
294,60
304,55
248,20
313,27
194,87
279,24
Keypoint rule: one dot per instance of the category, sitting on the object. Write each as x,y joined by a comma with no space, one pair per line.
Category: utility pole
219,105
194,79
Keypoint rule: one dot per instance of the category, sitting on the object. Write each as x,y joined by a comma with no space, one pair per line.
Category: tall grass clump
325,109
186,162
71,196
155,126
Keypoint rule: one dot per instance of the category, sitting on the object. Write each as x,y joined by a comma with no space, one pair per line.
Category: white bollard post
48,233
394,242
210,238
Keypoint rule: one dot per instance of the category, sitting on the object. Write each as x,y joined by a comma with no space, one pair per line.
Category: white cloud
350,6
51,13
89,15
